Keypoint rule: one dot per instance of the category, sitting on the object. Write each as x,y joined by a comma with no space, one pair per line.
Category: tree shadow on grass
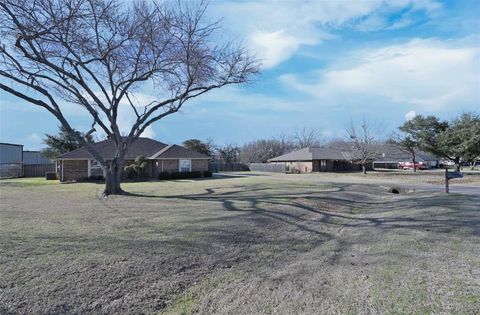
256,227
348,207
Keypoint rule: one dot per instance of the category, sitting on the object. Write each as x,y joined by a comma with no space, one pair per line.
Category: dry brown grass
250,244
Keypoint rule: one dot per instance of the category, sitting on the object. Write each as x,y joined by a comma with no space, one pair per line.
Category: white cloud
31,142
427,73
276,47
34,138
410,115
275,30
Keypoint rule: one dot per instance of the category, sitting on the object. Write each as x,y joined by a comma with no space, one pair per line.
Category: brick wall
168,165
74,169
200,165
172,166
302,167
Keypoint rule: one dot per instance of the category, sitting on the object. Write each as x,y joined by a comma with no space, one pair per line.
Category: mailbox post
447,189
451,175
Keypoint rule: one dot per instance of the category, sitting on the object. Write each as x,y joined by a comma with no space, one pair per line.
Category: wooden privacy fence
215,167
8,170
268,167
37,170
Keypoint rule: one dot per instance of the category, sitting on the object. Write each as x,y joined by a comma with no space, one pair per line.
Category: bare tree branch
97,53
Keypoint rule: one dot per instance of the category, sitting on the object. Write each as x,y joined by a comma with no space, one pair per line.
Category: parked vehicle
447,163
409,166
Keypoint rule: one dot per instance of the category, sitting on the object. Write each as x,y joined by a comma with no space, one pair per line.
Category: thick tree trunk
364,168
112,177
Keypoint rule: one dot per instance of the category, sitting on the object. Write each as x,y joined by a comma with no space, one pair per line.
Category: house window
323,165
185,165
95,168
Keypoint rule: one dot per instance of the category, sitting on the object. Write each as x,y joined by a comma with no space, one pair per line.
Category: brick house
79,164
316,159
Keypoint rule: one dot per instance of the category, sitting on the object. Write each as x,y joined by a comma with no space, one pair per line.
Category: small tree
204,147
461,140
63,142
362,144
406,141
229,153
137,168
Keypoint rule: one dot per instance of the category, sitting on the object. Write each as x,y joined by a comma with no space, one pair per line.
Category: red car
409,166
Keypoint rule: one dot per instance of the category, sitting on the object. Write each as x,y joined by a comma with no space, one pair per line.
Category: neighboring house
34,157
316,159
161,157
11,157
391,154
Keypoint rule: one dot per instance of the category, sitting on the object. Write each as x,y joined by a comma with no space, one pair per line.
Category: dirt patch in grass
240,244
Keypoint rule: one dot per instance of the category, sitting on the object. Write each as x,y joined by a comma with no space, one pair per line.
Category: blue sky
324,63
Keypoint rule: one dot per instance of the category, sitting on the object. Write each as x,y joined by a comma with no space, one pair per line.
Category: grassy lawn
238,245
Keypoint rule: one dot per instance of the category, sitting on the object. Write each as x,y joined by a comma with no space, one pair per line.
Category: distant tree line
257,151
456,140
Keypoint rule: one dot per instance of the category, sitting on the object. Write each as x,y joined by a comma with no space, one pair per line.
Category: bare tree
306,137
362,145
229,153
260,151
96,53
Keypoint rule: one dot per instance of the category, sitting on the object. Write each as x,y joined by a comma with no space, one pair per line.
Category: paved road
470,189
461,189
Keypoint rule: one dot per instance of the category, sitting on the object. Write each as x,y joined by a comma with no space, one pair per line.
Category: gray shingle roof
178,152
311,153
394,153
388,153
141,146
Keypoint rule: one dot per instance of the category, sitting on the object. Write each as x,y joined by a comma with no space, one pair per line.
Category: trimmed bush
130,171
207,174
164,176
96,177
178,175
50,176
195,174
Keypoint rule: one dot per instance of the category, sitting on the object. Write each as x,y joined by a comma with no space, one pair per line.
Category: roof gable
177,152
